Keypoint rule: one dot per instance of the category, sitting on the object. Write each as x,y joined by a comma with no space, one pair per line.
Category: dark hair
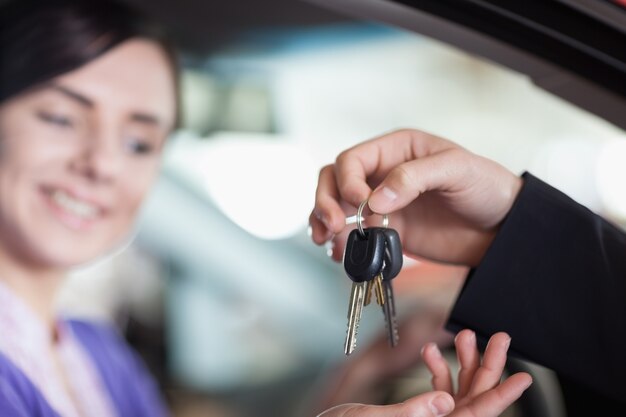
41,39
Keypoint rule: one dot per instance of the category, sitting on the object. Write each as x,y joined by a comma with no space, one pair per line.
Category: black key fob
393,254
364,255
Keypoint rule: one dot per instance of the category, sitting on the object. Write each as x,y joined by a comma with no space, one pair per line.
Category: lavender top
105,376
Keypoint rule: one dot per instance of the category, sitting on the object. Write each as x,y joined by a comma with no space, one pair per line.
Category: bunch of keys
372,258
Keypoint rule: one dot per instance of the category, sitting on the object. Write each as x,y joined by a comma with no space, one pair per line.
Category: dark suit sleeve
555,279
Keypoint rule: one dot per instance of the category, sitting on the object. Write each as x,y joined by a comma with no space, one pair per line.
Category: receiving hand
480,393
367,375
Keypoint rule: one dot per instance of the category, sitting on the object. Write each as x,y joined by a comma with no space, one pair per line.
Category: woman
88,97
87,100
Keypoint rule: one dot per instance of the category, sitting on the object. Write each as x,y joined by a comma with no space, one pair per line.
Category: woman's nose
100,159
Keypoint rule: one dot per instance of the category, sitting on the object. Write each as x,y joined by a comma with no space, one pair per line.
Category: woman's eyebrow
84,101
74,95
146,118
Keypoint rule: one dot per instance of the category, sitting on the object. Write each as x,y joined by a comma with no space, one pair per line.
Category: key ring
359,218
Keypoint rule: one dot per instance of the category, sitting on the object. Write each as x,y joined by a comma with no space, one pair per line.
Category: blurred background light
569,163
264,183
611,178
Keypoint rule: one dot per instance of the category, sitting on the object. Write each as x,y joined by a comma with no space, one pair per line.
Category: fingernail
528,384
389,194
435,349
442,405
322,217
382,198
471,337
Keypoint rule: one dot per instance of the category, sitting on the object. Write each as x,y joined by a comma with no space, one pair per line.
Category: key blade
368,292
378,288
389,310
355,310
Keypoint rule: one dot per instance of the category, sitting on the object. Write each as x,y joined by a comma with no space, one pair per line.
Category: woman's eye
139,146
55,119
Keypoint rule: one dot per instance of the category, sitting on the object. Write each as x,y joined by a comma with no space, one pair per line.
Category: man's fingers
431,404
317,230
327,217
438,367
352,174
366,164
338,244
489,374
359,168
493,402
406,181
468,358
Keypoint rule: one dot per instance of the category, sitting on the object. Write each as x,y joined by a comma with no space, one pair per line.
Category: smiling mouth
75,206
74,212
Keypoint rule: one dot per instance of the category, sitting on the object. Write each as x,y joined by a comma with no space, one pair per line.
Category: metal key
355,310
376,286
392,267
368,292
363,260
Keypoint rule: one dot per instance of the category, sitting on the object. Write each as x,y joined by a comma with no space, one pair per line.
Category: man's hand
447,202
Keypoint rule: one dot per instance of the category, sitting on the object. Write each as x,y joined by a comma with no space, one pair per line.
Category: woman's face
78,155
